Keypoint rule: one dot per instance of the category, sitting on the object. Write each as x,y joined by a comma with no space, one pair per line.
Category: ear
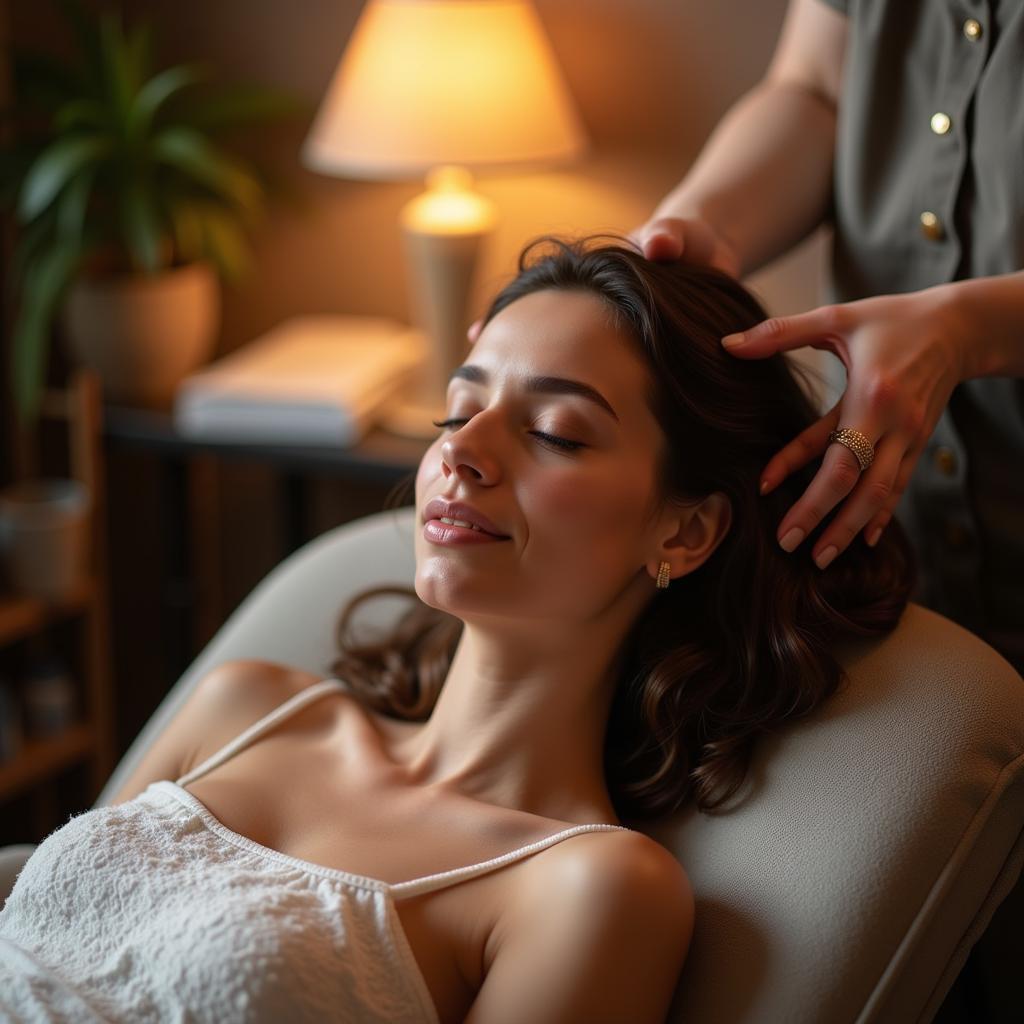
691,533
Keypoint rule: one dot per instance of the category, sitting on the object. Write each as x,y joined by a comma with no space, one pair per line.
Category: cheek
429,468
593,509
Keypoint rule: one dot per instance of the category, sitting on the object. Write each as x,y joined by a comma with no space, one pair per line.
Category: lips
438,508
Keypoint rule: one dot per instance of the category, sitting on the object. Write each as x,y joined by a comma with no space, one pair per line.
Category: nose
467,453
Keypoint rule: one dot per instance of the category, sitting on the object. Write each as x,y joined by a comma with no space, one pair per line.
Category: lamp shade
428,82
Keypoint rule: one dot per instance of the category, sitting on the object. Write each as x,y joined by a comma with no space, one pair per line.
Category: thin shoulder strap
403,890
265,724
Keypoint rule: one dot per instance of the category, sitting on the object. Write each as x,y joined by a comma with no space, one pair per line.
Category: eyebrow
542,385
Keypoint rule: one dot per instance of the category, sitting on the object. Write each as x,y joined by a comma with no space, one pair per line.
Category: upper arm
217,701
811,49
603,941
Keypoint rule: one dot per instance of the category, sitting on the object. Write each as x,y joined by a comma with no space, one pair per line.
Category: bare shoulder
251,683
615,864
220,704
599,932
237,693
620,879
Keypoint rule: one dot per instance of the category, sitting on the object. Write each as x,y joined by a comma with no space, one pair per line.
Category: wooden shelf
40,759
90,740
20,617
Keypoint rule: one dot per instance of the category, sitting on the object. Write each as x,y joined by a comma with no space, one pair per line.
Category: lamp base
411,417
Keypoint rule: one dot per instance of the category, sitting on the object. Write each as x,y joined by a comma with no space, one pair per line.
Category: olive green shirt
929,188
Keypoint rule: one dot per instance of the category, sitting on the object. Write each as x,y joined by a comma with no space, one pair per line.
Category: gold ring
857,443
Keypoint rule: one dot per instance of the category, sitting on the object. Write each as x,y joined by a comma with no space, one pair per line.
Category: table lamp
434,88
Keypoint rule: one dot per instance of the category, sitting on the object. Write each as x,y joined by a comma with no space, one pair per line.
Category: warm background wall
650,77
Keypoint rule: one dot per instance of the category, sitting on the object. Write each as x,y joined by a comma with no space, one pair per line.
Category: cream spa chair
877,840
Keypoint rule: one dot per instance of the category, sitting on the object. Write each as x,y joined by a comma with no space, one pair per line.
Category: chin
438,592
461,598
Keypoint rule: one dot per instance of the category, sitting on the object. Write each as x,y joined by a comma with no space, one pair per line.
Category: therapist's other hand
688,239
903,355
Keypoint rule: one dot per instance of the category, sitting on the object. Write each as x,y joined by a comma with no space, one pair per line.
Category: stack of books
311,380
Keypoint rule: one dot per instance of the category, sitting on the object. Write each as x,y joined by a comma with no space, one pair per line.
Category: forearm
990,311
764,178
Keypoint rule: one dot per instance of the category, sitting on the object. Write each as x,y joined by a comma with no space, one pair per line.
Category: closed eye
550,439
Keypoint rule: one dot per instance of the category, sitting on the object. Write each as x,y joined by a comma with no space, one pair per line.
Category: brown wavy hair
744,643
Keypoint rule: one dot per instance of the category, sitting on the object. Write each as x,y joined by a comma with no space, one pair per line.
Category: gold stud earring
662,581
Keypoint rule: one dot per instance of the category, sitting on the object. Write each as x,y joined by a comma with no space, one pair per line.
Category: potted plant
128,209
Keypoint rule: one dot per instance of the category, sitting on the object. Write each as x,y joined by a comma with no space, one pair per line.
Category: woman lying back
603,626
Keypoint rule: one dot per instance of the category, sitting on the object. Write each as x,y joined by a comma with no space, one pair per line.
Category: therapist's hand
903,355
688,239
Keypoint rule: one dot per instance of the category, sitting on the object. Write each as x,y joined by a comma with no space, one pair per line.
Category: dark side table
192,606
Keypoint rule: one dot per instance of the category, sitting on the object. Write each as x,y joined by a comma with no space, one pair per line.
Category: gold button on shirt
931,226
945,461
941,123
972,29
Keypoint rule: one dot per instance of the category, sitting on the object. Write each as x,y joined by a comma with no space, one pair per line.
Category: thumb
663,245
660,239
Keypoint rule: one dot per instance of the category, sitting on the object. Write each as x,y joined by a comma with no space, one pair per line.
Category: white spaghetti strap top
153,910
399,890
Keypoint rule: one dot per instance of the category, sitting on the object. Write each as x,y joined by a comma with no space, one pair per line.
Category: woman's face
576,521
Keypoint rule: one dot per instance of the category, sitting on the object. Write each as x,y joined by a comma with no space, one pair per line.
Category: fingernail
873,537
733,340
792,539
826,556
764,486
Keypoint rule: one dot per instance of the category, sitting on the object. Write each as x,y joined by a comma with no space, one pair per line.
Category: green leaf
117,66
156,92
187,227
72,207
54,167
32,239
224,243
141,225
45,282
187,151
82,112
139,53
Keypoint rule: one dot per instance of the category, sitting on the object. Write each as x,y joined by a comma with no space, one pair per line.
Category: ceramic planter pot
44,539
143,333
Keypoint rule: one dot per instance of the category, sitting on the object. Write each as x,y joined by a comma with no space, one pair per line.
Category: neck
522,724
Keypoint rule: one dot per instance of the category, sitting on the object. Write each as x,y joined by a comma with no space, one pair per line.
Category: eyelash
557,442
